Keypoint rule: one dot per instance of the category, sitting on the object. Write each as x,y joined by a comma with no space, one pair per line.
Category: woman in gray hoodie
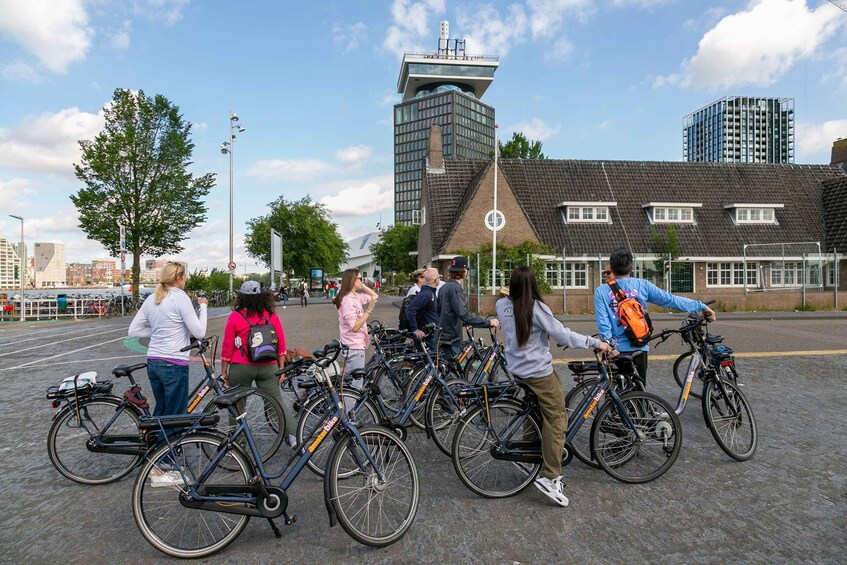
528,324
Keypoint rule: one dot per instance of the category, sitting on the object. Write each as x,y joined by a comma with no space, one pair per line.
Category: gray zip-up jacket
454,313
534,359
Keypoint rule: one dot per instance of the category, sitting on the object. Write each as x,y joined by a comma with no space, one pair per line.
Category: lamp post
494,220
227,148
23,266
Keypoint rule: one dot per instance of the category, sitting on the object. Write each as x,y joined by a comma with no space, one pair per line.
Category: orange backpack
633,317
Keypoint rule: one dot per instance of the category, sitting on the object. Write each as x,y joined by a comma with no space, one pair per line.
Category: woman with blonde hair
168,318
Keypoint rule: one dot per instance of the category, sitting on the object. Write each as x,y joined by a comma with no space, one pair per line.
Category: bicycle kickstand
277,533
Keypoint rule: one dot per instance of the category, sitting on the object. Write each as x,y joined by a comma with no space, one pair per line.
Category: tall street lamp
22,271
227,147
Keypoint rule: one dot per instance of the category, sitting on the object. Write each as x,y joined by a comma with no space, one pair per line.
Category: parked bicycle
95,437
371,485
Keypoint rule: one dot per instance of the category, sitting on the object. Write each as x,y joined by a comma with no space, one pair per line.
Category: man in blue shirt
606,306
423,309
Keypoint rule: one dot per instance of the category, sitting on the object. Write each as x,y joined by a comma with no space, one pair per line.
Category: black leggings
640,363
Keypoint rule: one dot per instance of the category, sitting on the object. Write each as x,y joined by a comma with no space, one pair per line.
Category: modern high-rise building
51,269
442,88
10,265
740,129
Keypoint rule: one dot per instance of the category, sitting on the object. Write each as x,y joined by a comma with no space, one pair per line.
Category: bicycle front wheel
265,418
642,454
474,439
314,414
169,526
730,419
106,418
375,505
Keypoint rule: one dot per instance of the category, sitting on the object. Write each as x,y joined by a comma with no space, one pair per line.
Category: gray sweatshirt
454,313
534,359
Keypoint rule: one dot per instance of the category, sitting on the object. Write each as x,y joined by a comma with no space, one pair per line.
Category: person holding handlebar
606,305
168,319
528,324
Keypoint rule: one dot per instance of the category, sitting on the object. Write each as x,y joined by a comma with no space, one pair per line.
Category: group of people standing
169,319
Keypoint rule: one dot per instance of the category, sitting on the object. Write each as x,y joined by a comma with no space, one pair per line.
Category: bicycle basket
722,353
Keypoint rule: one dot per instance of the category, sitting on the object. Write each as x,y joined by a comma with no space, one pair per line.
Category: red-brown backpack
632,316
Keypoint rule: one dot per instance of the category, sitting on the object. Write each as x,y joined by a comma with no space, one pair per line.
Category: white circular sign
231,266
489,220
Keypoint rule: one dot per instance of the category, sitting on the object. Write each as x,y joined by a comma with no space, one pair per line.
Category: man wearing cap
454,313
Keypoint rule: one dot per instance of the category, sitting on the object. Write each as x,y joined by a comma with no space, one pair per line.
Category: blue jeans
170,386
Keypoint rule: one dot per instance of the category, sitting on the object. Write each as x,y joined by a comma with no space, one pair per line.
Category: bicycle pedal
289,520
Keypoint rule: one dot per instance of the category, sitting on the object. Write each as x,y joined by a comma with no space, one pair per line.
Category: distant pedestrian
283,295
304,294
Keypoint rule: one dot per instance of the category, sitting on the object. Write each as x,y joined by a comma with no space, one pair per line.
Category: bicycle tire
67,441
442,414
626,458
392,382
471,450
173,528
313,415
394,499
679,368
725,426
264,416
581,442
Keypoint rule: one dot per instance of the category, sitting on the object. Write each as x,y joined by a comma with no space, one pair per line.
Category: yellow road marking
810,353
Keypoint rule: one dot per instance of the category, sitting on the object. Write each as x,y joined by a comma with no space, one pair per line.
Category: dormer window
753,213
671,212
586,212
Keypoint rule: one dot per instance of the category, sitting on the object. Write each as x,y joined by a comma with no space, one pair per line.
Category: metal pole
478,293
744,258
494,221
835,278
22,271
231,147
564,283
803,281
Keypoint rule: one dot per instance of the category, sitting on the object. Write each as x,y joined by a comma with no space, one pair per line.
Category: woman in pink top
355,302
252,306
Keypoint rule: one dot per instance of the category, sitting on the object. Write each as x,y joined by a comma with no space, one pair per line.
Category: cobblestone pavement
789,504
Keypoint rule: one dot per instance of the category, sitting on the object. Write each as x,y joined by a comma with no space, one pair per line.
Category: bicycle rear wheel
643,454
67,441
169,526
313,416
264,416
374,511
472,458
730,420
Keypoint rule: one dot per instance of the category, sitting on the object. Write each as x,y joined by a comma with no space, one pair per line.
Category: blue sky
314,84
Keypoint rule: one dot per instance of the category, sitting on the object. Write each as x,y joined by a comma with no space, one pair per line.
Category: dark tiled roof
448,193
835,213
540,185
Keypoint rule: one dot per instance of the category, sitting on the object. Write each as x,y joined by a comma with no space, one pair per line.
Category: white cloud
707,19
16,194
56,32
489,33
199,127
757,46
168,12
562,50
816,139
839,69
355,155
360,200
411,29
289,169
350,36
121,38
48,142
535,129
18,71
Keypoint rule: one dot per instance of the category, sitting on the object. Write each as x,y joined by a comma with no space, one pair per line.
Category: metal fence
56,308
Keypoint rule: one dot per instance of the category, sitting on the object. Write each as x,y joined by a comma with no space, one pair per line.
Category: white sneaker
167,479
553,488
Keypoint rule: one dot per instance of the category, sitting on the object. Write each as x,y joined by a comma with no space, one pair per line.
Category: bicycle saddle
359,373
230,398
713,339
127,370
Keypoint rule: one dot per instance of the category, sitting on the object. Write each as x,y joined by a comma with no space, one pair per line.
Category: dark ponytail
523,290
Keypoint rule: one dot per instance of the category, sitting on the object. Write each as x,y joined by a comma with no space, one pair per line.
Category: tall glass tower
442,88
740,129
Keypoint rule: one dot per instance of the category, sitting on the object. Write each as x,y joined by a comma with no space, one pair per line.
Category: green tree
519,147
136,174
309,237
508,259
392,251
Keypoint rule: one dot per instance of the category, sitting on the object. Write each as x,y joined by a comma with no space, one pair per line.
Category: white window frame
416,218
727,274
574,270
586,212
671,212
754,214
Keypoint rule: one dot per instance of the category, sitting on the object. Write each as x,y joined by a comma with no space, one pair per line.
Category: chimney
839,153
435,154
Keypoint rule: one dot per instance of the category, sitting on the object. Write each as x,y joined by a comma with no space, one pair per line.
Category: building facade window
595,214
731,274
787,274
575,274
673,215
755,216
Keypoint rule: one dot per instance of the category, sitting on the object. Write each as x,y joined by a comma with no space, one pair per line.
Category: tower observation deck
442,88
